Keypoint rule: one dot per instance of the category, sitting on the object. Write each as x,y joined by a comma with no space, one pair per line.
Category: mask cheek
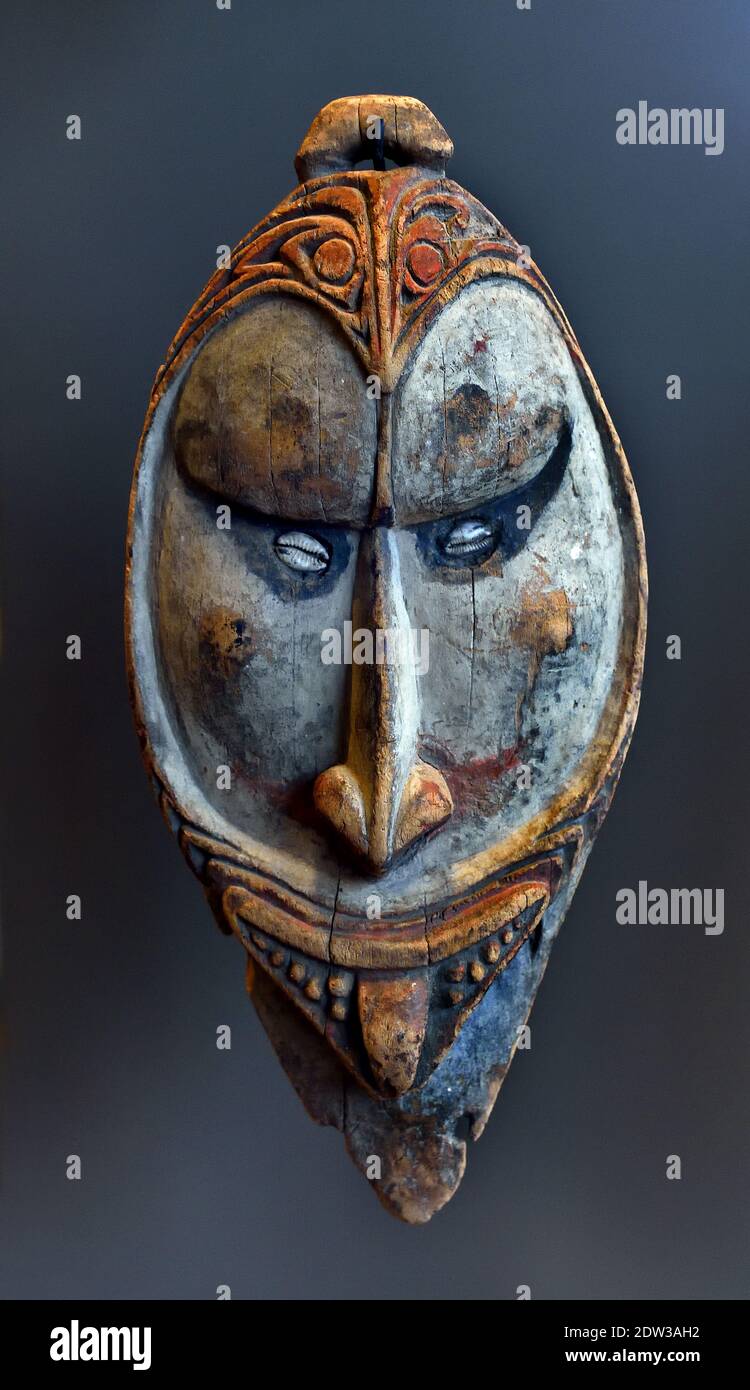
241,664
504,638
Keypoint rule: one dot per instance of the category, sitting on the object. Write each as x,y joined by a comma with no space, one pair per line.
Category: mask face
386,606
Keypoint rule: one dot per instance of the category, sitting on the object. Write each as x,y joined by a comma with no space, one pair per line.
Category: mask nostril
425,804
338,797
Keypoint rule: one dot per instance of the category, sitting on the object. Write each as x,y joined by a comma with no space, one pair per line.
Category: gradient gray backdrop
201,1167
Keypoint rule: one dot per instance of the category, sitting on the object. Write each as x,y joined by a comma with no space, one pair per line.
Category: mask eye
471,540
303,553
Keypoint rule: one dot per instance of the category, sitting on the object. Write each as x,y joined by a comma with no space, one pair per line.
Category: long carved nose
383,798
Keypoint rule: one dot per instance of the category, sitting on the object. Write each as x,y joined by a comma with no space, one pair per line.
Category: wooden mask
385,620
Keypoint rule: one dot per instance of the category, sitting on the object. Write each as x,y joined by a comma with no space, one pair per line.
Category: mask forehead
483,406
275,416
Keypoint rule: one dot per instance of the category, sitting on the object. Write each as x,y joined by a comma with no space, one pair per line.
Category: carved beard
377,421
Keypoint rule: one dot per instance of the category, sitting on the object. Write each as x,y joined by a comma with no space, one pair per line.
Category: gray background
201,1167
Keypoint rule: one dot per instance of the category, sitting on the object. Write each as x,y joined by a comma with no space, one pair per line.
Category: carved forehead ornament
385,620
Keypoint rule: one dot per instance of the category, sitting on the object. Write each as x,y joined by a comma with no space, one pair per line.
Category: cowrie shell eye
301,552
469,538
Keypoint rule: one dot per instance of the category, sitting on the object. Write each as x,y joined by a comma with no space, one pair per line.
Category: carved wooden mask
385,617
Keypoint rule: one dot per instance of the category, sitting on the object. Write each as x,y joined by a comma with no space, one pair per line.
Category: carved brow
501,512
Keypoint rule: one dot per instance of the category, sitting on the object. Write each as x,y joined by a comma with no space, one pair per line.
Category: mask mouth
391,1026
389,996
251,903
